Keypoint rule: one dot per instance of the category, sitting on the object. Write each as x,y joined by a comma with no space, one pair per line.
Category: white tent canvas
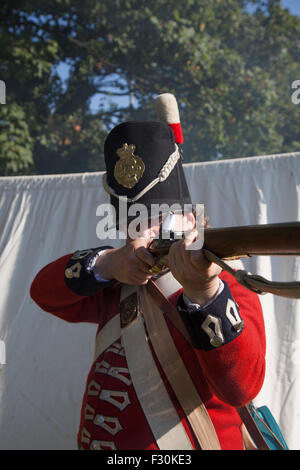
47,359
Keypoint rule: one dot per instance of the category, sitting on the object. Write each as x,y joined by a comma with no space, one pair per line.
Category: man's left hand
198,276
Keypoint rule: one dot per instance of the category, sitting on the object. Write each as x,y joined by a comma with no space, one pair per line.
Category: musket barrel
250,240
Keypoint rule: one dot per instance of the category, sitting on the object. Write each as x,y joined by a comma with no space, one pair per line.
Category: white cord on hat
162,176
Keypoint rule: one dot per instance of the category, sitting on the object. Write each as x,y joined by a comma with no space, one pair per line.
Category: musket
231,243
254,240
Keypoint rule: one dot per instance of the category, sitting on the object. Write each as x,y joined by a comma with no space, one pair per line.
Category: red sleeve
51,294
235,371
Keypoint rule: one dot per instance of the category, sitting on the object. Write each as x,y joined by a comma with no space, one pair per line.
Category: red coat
225,377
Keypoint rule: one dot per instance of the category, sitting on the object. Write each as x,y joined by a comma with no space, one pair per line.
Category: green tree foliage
230,64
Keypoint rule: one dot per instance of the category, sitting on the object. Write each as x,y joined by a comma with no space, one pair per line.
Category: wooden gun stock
250,240
230,243
239,242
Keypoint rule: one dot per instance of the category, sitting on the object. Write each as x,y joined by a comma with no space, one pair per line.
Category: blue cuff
79,275
214,325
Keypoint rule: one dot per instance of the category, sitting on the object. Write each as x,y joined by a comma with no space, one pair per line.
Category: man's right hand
129,264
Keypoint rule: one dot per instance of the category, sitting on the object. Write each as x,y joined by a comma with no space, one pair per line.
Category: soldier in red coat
153,385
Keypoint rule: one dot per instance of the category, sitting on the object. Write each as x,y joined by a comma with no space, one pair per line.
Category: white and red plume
167,111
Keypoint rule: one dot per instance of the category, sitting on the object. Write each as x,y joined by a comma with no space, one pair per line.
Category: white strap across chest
177,374
111,332
154,398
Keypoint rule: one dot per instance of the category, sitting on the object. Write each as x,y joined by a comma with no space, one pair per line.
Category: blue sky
293,5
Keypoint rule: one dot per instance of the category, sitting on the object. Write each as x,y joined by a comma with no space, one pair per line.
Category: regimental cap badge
130,168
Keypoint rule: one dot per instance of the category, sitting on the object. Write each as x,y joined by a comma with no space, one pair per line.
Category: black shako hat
143,166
